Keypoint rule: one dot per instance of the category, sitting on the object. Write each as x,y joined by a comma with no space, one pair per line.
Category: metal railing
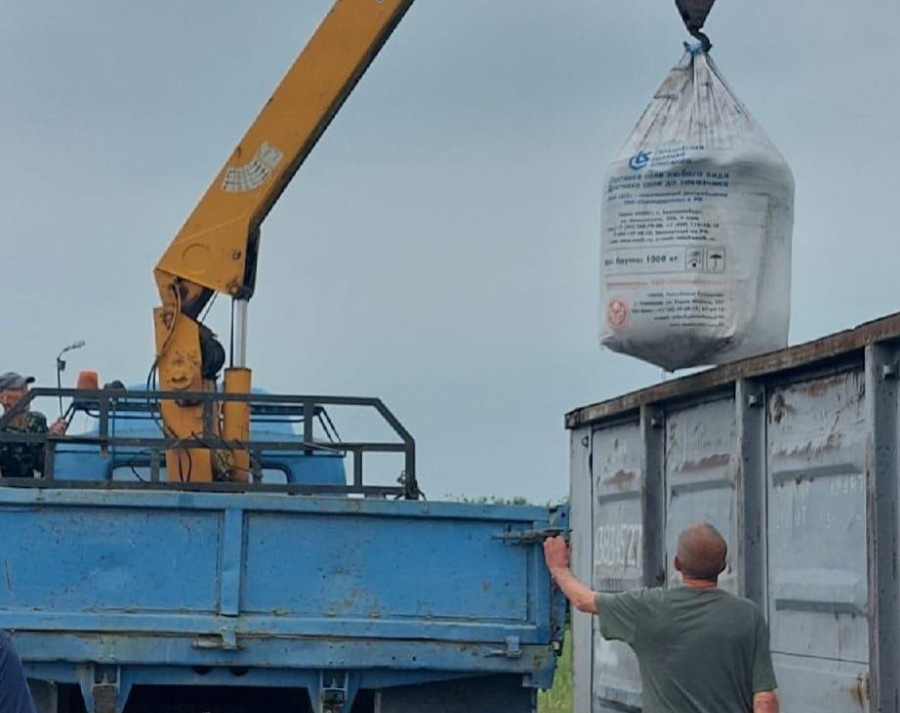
109,404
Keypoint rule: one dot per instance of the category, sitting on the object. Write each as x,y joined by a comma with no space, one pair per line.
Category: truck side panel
255,589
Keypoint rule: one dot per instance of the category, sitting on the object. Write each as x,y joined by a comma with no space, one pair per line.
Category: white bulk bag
697,222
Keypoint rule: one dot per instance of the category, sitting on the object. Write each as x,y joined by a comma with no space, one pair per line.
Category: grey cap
12,380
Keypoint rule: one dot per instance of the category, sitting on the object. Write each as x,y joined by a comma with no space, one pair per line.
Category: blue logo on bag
640,160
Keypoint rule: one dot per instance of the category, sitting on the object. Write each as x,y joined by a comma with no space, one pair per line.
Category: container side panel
701,470
618,554
816,438
821,685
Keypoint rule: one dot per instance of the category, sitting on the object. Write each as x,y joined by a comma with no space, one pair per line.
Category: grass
559,698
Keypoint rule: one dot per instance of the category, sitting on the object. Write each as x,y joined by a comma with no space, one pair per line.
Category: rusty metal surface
793,456
843,346
701,470
617,540
817,436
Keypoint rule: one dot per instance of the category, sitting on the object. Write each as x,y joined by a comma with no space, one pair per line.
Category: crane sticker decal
250,176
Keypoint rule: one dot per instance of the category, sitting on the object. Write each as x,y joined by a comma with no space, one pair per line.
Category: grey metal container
794,457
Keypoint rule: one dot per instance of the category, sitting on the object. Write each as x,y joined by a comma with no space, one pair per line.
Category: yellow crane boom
216,249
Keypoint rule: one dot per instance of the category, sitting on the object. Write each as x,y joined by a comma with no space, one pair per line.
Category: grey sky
439,248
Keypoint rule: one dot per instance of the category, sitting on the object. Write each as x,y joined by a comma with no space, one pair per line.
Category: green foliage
487,500
559,698
496,500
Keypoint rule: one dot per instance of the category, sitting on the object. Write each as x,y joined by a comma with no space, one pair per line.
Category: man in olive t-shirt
700,649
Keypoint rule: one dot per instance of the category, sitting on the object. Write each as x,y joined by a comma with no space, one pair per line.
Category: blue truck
304,589
201,547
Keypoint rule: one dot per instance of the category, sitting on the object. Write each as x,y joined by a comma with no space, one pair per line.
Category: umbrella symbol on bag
715,260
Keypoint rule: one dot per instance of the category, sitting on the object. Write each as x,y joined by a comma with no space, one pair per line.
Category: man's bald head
701,552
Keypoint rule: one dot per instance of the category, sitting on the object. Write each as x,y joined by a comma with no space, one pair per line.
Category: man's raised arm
765,702
584,599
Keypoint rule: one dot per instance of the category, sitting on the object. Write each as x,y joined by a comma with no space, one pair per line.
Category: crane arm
216,249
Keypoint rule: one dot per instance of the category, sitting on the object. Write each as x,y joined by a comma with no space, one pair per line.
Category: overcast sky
440,247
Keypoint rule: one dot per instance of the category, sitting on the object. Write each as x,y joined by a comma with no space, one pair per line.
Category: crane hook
694,14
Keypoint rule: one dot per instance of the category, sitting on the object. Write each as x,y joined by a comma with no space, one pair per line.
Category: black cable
130,464
208,308
151,385
137,475
415,491
166,432
325,428
324,412
230,446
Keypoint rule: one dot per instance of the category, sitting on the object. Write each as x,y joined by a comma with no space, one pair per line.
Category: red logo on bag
617,313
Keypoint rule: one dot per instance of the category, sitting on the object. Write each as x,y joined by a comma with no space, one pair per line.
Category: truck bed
159,587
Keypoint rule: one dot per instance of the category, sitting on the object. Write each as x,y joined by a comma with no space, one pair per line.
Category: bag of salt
696,229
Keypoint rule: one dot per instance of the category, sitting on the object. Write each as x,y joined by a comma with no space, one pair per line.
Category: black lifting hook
694,14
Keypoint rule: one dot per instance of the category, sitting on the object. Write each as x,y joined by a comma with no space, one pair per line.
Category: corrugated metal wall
794,458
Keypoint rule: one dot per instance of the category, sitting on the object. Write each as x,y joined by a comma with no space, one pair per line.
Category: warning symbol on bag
617,313
694,259
705,259
715,259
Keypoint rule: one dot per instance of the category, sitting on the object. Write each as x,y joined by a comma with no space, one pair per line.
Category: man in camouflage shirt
22,460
